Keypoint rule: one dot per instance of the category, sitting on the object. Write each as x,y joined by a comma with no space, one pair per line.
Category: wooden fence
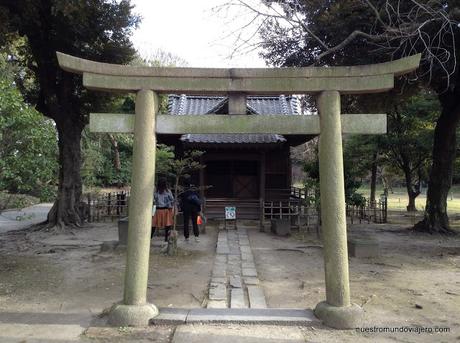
114,205
106,206
304,214
375,212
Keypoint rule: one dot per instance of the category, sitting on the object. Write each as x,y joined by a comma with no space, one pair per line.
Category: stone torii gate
326,83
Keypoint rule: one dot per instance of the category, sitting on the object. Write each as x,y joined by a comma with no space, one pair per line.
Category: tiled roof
257,105
232,138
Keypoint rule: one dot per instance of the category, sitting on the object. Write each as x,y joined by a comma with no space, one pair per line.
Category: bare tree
293,33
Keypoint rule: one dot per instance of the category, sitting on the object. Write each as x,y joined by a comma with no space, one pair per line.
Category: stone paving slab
237,298
221,259
217,304
219,292
250,272
266,316
219,271
251,281
237,334
233,258
247,257
222,250
219,280
171,316
248,265
256,297
235,281
246,249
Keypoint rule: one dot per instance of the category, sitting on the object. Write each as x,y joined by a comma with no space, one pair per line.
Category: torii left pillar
135,310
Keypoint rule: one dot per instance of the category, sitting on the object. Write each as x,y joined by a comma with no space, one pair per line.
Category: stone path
234,282
19,219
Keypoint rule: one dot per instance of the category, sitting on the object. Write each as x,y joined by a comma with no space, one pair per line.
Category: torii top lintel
347,80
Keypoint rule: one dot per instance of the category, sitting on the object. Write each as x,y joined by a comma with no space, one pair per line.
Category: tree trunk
444,146
411,193
116,153
67,209
116,158
373,178
411,205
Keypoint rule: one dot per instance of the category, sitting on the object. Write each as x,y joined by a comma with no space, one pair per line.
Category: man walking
191,207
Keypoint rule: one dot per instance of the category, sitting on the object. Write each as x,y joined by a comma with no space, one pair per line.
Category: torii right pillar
337,311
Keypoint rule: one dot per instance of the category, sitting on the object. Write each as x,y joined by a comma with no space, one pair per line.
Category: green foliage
409,140
164,160
406,148
352,178
99,167
96,30
181,168
28,147
356,199
99,170
98,155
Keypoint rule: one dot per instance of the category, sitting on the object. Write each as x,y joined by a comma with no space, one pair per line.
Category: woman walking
164,202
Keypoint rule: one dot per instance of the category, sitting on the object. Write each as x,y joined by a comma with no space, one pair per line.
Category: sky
191,30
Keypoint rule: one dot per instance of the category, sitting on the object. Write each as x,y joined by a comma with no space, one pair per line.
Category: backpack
194,200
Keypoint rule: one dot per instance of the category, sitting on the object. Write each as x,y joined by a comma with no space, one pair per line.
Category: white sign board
230,212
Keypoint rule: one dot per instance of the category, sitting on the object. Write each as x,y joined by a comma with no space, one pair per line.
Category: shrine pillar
336,311
135,310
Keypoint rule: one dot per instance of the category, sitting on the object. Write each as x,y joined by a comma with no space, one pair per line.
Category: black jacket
190,201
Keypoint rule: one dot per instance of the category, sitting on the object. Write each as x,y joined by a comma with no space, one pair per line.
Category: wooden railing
297,211
375,212
114,205
106,206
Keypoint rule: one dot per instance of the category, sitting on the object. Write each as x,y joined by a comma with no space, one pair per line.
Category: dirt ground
414,282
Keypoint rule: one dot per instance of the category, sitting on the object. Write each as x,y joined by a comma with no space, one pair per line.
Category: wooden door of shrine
245,180
237,179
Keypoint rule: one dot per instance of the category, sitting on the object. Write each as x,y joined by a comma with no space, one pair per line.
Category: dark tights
167,230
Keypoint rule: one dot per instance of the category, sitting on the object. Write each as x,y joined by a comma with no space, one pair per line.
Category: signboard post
230,216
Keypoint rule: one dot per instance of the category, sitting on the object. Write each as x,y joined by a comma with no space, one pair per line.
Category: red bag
199,221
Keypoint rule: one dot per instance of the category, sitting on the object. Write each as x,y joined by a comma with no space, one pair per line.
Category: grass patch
398,199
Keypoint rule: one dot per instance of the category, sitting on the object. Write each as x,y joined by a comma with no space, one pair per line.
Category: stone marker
123,231
363,247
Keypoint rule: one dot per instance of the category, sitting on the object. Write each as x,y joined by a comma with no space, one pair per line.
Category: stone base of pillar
132,315
346,317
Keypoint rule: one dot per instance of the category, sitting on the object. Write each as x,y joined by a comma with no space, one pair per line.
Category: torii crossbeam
327,83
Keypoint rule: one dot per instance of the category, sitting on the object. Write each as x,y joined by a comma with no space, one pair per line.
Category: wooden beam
256,86
79,65
244,124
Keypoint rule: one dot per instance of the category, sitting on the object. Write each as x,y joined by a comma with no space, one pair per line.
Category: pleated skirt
162,218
